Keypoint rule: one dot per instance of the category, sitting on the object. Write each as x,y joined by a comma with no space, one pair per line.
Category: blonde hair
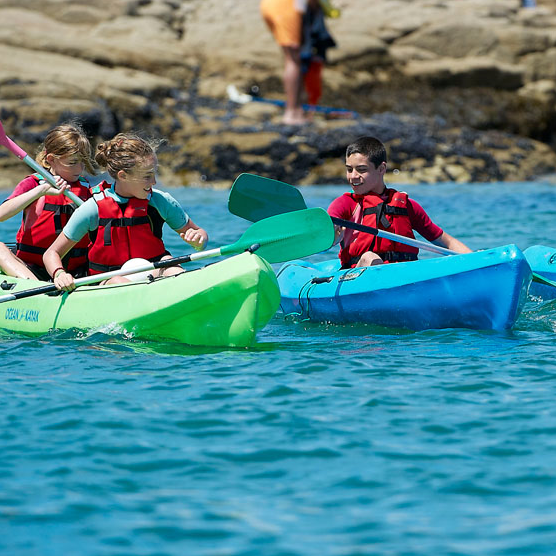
66,140
123,152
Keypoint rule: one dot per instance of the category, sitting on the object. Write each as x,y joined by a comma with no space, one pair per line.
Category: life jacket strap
30,249
75,252
58,210
108,223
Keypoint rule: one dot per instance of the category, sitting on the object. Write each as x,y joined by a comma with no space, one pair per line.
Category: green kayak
222,304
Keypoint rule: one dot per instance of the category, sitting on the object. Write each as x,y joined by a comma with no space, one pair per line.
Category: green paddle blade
542,280
288,236
254,197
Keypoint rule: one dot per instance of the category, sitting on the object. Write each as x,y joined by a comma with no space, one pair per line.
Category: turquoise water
324,440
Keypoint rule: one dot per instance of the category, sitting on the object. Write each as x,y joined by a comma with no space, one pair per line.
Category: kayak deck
222,304
484,290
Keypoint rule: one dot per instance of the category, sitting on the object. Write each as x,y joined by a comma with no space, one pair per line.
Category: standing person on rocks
373,204
124,219
285,20
66,153
316,41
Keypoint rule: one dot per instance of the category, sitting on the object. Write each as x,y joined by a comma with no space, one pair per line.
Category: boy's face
363,176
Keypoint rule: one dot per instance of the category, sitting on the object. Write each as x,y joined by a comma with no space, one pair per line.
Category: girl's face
68,167
362,175
139,181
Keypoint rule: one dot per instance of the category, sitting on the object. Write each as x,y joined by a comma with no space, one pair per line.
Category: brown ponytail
123,152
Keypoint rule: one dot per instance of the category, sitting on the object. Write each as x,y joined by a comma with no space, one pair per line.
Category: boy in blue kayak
373,204
124,219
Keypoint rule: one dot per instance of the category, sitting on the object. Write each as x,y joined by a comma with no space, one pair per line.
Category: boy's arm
446,240
421,222
337,209
338,234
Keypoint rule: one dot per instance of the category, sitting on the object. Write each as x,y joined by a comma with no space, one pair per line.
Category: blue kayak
542,260
484,290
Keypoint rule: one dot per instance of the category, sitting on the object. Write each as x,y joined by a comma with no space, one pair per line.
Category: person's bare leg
171,270
293,84
369,259
14,266
115,280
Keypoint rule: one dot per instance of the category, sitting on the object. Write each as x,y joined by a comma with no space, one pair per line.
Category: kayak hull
222,304
542,260
485,290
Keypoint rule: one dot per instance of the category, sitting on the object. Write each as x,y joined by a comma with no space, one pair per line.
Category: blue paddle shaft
393,237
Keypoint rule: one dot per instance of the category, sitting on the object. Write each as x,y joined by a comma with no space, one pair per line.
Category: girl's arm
53,263
15,205
195,236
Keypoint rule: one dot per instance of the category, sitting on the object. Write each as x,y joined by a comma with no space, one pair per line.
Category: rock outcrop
459,90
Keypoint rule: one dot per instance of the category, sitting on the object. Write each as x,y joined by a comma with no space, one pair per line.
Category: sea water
321,441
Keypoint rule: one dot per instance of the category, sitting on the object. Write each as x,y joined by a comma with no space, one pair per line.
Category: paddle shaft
416,243
22,155
392,237
95,278
280,238
308,107
244,98
255,198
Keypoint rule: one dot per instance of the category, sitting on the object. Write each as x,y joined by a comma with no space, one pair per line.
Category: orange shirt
284,19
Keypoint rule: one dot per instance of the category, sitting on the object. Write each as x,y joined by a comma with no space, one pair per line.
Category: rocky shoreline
459,90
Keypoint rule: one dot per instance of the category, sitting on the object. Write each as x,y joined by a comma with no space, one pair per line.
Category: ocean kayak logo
28,315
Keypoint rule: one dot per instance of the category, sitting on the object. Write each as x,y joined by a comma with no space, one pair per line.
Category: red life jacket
37,238
391,215
124,232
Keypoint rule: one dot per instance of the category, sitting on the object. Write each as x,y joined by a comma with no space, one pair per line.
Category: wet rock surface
458,90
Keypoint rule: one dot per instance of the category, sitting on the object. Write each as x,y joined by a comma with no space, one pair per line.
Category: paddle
281,238
22,155
243,98
542,280
255,197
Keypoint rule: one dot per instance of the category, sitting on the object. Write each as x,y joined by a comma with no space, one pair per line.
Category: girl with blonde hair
66,153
